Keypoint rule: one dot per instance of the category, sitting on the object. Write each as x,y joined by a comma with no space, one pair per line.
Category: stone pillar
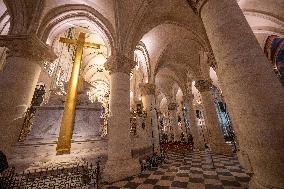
120,163
143,138
216,137
166,125
242,151
148,99
183,123
198,141
253,93
18,80
172,107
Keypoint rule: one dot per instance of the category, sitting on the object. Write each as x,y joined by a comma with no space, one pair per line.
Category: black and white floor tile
193,170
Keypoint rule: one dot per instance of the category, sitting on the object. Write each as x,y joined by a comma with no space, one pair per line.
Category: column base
119,169
11,137
244,161
223,149
254,184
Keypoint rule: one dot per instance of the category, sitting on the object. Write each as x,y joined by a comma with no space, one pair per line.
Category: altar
38,150
47,121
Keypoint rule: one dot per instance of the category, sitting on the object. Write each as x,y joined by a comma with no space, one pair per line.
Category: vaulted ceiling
172,33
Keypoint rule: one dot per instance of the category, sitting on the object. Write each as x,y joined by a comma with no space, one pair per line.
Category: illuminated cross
67,123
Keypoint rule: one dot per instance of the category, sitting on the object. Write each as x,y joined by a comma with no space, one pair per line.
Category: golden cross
67,123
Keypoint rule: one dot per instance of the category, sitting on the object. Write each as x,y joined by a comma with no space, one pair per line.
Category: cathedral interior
142,94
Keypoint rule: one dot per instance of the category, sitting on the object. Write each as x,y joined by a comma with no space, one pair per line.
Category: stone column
253,93
148,98
216,137
160,126
18,80
146,101
172,107
166,125
120,163
183,123
143,138
198,141
242,151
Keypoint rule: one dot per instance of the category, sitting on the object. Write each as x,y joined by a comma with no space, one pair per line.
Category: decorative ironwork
105,124
30,113
133,122
82,176
154,161
133,129
135,113
27,125
139,110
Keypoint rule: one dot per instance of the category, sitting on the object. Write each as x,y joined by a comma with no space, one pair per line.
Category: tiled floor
193,170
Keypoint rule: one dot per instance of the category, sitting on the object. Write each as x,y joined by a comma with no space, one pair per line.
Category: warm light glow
100,92
100,59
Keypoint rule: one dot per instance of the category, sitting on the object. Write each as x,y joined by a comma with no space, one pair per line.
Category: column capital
119,63
147,88
27,46
203,85
172,106
211,59
197,5
188,97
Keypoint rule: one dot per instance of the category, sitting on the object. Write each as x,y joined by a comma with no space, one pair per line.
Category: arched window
274,50
4,29
141,56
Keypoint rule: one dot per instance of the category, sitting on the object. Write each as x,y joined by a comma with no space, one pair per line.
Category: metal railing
27,125
154,161
79,176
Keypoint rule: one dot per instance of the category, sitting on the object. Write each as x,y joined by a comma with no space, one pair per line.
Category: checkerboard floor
194,170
